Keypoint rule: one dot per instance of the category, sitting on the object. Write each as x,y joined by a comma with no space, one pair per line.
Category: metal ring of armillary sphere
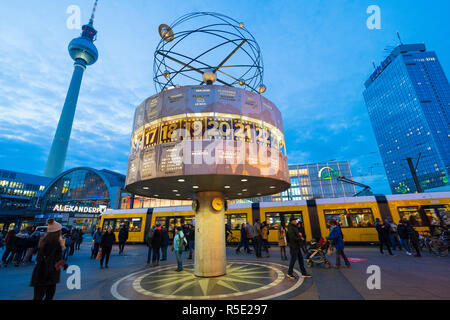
201,44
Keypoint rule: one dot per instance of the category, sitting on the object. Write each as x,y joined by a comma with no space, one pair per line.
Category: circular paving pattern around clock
244,281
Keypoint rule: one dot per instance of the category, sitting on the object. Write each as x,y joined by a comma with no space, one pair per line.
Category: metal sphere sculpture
221,46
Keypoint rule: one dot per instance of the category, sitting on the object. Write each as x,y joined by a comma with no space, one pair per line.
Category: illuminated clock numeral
150,136
168,132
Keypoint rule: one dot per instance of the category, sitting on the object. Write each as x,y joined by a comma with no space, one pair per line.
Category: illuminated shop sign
79,209
327,173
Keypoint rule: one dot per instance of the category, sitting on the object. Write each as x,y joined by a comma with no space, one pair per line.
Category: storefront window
236,220
411,214
274,219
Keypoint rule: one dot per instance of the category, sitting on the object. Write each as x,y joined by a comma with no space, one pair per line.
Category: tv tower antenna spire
83,51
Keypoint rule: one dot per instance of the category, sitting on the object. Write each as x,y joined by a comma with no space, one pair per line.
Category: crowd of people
21,245
401,236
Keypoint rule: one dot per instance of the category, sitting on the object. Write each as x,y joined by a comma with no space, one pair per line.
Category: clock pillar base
210,250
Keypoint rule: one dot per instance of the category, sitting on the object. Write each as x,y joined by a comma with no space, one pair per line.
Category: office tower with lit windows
408,101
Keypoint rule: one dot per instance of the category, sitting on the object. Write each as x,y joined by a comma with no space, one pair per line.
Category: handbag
330,250
59,264
99,255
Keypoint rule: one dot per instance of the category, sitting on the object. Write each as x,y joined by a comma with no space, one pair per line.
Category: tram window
161,221
121,222
438,215
274,219
135,225
361,218
236,220
411,214
108,223
337,214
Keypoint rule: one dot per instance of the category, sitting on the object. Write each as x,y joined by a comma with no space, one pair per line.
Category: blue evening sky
317,55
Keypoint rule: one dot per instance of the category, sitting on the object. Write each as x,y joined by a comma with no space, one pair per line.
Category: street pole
414,175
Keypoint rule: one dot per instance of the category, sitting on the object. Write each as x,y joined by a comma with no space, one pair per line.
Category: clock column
210,250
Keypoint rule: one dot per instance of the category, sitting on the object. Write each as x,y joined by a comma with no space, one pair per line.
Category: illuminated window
274,219
411,214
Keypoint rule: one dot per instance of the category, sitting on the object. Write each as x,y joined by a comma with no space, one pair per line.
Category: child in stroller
317,253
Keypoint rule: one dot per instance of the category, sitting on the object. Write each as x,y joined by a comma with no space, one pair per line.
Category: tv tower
84,53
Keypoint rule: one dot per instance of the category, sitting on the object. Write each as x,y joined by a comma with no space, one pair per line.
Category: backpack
181,243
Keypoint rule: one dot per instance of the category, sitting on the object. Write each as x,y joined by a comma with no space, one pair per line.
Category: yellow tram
357,215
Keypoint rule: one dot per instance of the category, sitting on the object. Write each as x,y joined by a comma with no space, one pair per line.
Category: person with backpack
337,238
179,244
393,236
21,246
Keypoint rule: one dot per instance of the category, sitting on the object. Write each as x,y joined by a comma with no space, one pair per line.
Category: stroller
317,253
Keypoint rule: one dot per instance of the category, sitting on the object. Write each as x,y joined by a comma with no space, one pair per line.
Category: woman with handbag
49,262
337,238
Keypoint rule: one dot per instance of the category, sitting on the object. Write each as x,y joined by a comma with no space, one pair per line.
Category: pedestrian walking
402,230
282,241
123,237
191,240
96,238
46,273
337,239
10,243
74,236
383,235
179,243
265,238
258,238
67,236
294,242
164,243
33,243
393,235
79,239
108,239
413,238
21,246
244,240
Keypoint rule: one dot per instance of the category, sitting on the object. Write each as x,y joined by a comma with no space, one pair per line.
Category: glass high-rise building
408,100
315,181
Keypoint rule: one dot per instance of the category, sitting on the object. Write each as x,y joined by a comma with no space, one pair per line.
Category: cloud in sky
317,55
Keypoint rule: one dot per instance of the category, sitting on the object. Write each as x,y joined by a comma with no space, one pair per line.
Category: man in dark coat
164,243
123,237
294,242
108,239
383,230
156,245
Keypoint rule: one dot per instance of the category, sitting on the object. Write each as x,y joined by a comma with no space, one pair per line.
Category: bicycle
440,244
